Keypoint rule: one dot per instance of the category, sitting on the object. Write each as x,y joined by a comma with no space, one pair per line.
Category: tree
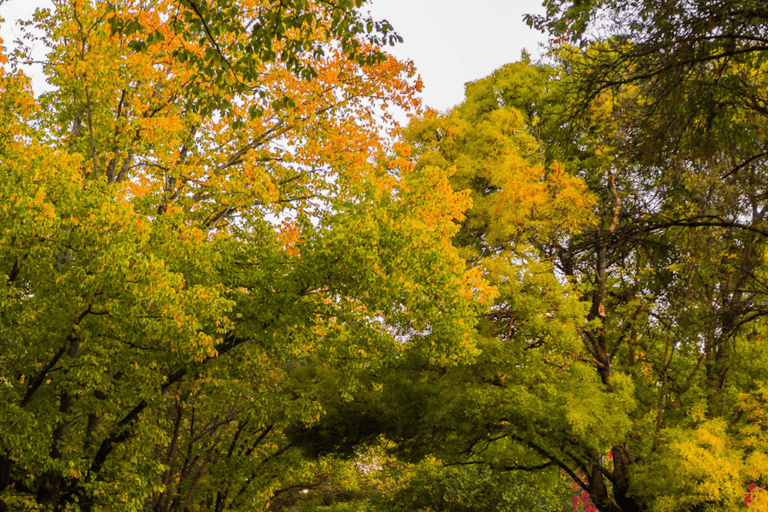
698,66
462,414
682,80
625,346
671,272
188,222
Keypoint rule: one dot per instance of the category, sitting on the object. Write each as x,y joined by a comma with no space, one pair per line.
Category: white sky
457,41
450,41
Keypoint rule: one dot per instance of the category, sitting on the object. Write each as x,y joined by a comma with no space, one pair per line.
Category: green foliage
471,489
173,265
625,342
389,485
223,285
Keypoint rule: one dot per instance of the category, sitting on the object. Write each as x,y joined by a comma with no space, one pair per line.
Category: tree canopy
230,282
186,223
625,346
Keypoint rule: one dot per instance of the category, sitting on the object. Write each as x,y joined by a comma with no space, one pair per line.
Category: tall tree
187,222
625,346
683,81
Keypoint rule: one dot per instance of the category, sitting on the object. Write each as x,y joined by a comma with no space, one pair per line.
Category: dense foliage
626,345
183,231
230,286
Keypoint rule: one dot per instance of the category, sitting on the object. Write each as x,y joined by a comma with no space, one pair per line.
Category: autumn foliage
195,219
230,282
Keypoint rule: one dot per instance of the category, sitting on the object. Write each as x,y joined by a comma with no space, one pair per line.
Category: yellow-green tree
646,396
626,344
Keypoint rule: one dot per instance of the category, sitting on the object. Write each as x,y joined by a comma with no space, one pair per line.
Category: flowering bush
755,499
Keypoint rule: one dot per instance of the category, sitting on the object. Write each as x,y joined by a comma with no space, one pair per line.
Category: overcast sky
457,41
450,41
